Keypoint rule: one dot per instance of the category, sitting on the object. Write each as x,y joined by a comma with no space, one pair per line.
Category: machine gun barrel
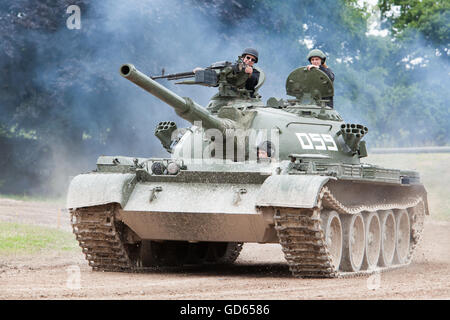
184,107
176,76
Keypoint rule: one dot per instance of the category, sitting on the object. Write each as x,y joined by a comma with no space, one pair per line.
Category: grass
434,172
18,238
25,197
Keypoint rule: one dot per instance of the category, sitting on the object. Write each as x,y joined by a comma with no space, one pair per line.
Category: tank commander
317,60
249,57
245,64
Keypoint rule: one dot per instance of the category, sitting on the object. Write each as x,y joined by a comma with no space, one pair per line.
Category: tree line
63,103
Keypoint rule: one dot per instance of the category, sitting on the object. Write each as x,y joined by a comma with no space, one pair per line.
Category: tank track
97,235
303,241
100,238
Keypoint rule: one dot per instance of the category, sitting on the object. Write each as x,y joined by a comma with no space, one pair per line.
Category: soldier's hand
312,66
249,70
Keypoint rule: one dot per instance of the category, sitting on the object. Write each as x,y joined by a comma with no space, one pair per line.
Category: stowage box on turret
284,171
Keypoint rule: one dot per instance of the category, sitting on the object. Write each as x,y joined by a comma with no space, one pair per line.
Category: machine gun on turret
208,76
175,76
224,72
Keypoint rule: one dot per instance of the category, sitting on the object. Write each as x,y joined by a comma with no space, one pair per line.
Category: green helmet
316,53
252,52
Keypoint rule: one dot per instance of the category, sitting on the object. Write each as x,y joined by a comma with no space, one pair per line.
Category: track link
303,240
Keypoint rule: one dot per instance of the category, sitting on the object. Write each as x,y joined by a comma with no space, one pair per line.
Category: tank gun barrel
184,107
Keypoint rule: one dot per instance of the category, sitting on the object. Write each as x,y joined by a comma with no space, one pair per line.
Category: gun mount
230,79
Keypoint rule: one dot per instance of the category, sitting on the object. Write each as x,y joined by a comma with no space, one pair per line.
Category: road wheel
223,252
388,238
403,236
354,242
332,228
373,240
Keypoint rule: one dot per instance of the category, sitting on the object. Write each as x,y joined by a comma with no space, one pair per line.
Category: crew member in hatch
317,60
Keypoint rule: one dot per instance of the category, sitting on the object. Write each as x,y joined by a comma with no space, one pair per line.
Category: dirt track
259,273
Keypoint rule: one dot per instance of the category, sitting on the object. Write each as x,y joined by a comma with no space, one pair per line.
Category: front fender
93,189
296,191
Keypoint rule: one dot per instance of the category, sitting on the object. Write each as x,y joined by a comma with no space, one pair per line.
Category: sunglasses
250,58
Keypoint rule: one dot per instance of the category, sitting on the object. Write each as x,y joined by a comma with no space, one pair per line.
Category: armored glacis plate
302,81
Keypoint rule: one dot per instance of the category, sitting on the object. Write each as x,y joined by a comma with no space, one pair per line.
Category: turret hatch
304,83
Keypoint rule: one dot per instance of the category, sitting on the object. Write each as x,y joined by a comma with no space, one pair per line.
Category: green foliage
429,17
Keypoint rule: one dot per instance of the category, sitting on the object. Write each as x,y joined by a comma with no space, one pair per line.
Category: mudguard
94,189
295,191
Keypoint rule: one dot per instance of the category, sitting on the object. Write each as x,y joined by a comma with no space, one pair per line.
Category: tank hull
234,206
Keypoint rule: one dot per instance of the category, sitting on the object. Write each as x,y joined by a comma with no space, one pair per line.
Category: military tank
285,171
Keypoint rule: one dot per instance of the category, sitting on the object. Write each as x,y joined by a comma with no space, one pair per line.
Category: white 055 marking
311,141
